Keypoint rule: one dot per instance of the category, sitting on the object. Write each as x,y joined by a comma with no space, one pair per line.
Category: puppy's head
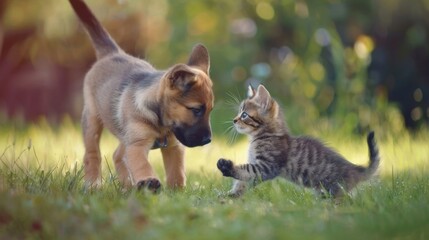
188,99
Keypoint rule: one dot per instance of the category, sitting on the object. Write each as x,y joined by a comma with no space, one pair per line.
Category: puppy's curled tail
374,157
101,39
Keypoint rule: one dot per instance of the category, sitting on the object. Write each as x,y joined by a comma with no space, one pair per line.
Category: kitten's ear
264,97
250,91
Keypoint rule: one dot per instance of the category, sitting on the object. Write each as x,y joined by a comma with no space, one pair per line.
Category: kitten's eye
244,115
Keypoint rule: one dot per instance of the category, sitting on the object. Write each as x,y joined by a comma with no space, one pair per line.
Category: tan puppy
144,108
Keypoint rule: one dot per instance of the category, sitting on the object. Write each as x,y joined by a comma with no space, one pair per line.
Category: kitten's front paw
226,167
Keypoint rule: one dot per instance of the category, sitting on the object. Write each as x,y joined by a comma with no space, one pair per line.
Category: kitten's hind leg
238,188
331,191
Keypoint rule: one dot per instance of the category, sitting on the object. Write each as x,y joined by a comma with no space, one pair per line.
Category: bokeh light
265,10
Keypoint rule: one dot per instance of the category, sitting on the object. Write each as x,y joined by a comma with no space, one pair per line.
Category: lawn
42,194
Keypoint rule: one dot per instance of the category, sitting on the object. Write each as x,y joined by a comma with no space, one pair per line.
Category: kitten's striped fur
274,152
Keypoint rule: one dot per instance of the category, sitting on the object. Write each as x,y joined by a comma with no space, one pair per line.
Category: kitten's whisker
233,137
233,97
228,130
232,105
238,94
233,102
231,134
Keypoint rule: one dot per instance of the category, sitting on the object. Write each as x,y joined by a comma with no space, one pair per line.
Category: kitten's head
257,112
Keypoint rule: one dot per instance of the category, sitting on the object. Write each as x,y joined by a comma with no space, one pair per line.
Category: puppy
144,108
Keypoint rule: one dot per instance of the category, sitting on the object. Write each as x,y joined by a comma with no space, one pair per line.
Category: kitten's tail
101,39
374,157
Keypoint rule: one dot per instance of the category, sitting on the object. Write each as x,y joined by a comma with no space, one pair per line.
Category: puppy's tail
374,157
101,39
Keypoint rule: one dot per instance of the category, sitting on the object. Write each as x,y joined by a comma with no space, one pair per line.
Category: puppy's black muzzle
193,136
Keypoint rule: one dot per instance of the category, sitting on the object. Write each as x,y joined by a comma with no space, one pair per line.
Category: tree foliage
348,64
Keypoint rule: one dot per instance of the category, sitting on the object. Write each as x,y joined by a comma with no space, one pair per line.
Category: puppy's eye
199,111
244,115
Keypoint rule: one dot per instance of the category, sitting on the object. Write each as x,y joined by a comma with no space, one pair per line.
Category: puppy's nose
206,140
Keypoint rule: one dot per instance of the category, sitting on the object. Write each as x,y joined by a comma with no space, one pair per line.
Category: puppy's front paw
151,184
226,167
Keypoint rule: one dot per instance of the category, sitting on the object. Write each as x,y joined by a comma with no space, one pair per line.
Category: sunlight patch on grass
43,195
42,146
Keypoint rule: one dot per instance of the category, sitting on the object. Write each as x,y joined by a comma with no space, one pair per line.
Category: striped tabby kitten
274,152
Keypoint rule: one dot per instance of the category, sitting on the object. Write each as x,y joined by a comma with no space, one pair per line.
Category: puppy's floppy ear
250,91
181,77
263,97
200,58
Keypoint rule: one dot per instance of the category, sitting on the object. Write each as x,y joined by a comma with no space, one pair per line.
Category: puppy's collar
160,143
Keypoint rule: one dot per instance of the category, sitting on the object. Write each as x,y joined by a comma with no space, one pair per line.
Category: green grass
42,194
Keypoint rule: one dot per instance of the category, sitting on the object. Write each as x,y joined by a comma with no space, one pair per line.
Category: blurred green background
347,66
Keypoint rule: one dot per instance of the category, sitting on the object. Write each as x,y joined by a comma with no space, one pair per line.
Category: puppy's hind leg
92,127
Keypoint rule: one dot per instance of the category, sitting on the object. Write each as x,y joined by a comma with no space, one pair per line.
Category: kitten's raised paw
151,184
226,167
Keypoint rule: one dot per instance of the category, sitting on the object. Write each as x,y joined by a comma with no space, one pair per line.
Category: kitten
274,152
